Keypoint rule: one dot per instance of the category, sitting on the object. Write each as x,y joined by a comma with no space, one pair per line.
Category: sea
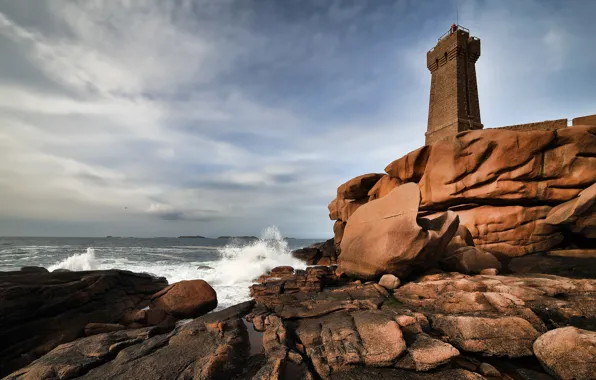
229,265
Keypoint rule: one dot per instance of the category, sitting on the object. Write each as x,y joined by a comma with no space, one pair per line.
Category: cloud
223,117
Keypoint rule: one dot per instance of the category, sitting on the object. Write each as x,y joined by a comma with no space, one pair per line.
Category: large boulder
384,236
410,167
568,353
40,310
358,187
383,187
577,215
470,260
186,299
503,184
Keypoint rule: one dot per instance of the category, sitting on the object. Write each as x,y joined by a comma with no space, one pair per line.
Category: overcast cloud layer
212,117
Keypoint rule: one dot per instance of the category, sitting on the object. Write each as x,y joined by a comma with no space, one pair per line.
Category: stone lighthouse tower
454,103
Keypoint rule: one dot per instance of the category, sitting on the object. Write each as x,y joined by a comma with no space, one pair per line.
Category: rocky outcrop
186,299
211,347
384,236
503,184
40,310
568,353
324,253
434,323
318,324
512,167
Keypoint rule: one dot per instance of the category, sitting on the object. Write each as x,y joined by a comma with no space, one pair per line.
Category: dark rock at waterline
204,267
323,253
40,310
34,269
215,346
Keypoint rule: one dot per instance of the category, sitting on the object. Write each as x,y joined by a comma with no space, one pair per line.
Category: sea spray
83,261
230,269
244,263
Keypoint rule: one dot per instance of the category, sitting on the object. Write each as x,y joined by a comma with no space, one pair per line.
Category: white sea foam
241,263
230,274
84,261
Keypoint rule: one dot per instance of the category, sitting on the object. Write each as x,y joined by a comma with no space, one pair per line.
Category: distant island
237,237
192,237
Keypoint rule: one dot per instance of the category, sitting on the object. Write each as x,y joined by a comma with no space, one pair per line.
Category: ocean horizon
229,264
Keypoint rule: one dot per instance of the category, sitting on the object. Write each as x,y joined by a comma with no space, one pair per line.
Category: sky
222,117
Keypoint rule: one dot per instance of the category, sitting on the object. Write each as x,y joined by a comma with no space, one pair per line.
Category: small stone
489,272
295,357
486,369
389,281
465,363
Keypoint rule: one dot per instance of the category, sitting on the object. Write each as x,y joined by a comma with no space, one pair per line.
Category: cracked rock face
517,192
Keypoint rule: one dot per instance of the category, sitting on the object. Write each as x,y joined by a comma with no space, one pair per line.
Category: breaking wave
230,269
83,261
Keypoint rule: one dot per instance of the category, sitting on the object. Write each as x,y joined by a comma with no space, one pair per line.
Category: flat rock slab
345,339
505,336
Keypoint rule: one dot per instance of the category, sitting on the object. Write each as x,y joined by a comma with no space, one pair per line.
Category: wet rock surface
210,347
324,253
40,310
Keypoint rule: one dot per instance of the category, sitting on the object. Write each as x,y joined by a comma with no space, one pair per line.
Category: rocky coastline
468,259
